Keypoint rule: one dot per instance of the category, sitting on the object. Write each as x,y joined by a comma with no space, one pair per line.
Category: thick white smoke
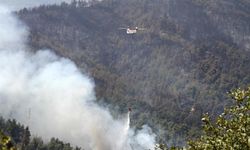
20,4
55,99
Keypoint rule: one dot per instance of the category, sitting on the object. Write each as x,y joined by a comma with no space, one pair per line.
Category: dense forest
20,138
191,53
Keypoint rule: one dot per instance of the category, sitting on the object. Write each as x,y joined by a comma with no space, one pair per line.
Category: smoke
55,99
19,4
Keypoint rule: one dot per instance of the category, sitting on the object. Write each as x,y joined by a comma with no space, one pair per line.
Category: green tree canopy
231,129
5,142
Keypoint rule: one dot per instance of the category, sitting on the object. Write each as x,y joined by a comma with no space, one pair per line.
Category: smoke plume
20,4
50,95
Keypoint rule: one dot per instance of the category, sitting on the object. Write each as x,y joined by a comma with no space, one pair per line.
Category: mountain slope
191,52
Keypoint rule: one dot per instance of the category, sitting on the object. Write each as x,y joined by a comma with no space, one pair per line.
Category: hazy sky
19,4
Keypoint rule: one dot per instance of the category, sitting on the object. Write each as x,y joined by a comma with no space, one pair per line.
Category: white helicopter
131,30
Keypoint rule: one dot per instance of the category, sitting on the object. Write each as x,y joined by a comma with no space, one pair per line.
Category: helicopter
131,30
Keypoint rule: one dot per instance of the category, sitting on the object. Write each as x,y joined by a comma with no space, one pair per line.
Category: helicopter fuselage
131,31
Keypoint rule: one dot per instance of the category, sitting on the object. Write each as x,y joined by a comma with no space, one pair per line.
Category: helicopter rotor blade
141,28
122,28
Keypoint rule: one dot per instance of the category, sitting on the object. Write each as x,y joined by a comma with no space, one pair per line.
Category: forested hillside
191,53
18,136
